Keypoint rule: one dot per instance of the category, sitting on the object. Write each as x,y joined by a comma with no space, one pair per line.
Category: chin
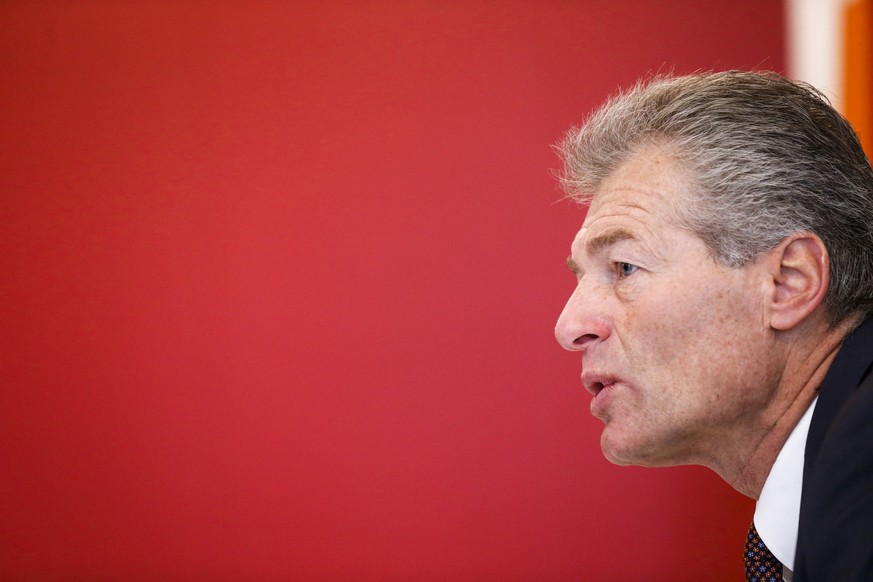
615,454
623,453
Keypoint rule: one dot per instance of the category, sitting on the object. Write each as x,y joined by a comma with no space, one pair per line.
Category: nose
583,321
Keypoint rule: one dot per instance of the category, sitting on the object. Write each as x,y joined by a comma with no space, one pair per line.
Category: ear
800,271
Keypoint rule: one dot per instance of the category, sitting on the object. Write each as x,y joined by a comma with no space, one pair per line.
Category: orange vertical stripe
858,69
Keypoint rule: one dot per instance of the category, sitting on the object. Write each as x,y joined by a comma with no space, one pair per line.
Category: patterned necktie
761,565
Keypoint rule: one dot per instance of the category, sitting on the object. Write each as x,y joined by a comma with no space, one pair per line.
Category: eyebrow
598,243
571,264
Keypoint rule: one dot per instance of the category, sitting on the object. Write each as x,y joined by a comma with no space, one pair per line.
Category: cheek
688,331
656,326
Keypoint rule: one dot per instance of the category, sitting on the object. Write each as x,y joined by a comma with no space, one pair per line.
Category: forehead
639,198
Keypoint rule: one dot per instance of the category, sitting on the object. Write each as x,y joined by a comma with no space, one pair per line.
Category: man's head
766,157
729,217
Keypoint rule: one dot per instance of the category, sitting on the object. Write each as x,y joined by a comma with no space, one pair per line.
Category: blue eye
625,269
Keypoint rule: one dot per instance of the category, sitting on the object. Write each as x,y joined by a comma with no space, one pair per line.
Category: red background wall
278,287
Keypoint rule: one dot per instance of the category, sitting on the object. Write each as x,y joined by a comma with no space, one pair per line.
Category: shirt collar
778,510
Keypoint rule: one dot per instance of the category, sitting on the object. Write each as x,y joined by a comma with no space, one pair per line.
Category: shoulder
836,521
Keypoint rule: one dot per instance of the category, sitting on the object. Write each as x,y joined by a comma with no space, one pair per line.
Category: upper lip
595,381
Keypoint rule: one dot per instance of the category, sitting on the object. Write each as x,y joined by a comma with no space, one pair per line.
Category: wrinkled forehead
642,191
645,195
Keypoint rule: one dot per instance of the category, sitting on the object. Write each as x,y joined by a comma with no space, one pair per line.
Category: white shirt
777,512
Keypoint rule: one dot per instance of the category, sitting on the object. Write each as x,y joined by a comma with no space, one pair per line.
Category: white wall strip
815,44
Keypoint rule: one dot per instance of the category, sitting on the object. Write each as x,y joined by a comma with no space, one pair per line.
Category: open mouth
601,391
596,387
596,383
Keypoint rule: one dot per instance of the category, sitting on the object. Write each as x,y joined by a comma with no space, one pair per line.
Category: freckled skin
685,337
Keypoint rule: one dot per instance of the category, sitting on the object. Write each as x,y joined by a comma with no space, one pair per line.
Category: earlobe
800,275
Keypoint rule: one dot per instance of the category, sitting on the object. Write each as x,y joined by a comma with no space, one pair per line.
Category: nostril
584,339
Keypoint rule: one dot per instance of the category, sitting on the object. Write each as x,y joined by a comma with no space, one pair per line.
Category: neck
746,469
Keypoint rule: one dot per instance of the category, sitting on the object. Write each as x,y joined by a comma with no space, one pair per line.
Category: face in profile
673,343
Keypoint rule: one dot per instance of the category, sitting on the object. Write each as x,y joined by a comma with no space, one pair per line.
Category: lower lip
601,401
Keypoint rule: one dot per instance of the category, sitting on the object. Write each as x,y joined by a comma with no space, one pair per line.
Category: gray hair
769,158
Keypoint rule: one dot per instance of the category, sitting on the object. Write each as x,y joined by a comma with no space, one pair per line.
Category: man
725,281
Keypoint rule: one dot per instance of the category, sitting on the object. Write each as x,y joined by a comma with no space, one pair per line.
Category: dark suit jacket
835,537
